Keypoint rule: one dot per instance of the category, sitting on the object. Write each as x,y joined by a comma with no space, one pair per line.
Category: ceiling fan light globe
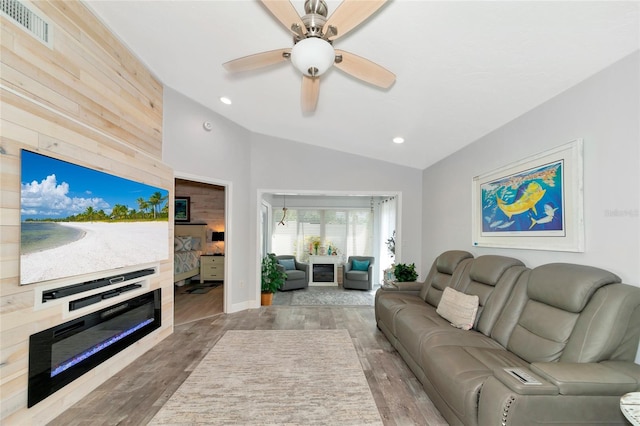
312,56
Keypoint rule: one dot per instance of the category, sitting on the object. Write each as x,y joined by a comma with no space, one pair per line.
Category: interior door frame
228,229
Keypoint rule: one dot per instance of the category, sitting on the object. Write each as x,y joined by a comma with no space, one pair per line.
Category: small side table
630,407
211,268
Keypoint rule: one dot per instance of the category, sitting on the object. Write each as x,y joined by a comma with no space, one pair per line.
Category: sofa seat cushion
388,304
295,274
456,337
414,322
457,373
357,275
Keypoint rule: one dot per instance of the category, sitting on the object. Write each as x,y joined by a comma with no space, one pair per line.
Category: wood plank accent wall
89,101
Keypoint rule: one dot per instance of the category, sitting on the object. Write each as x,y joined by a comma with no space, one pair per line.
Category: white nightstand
211,268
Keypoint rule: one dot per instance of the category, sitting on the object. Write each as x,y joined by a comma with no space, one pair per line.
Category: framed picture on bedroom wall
182,211
535,203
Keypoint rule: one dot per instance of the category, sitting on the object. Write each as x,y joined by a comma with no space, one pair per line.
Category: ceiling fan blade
310,93
286,13
350,14
365,70
257,60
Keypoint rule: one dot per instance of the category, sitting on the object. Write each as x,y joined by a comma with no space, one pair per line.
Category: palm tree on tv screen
143,205
119,211
155,200
89,213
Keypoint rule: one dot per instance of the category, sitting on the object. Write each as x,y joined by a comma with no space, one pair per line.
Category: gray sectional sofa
550,345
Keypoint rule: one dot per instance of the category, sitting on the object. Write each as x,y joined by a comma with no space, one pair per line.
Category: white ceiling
462,69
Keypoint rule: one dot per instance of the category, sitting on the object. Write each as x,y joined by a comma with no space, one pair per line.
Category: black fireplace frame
41,381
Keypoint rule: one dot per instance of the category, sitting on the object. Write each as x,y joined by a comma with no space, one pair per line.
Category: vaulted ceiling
462,69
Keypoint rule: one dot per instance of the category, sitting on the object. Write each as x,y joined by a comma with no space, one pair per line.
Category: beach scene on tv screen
76,220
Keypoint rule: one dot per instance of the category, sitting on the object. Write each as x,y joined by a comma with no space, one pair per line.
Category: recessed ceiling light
225,100
398,139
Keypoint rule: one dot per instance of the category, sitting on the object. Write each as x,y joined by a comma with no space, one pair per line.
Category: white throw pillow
458,308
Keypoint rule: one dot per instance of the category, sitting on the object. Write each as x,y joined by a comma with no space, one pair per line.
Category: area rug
283,377
203,288
199,290
327,296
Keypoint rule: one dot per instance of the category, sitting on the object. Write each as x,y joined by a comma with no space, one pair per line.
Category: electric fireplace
323,272
63,353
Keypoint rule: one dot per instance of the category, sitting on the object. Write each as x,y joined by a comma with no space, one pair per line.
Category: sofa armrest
302,266
411,287
403,286
408,285
500,403
585,378
631,369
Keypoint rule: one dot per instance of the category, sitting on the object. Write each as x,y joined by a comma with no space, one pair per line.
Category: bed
188,243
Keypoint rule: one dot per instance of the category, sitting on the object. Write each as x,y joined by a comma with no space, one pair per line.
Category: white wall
219,156
250,163
286,165
604,111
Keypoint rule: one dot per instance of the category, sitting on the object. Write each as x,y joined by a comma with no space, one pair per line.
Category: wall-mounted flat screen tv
76,220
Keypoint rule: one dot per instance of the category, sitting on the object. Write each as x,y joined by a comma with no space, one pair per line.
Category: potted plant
272,278
405,273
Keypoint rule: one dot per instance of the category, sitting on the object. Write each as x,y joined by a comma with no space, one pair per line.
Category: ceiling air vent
29,20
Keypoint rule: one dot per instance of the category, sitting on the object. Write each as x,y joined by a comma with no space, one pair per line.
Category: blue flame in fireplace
97,348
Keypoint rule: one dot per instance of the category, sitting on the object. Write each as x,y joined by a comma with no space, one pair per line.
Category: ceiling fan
313,52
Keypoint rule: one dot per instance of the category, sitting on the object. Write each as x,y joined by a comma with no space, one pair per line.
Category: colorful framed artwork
182,212
536,203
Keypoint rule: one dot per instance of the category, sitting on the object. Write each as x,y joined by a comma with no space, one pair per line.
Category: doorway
345,221
202,295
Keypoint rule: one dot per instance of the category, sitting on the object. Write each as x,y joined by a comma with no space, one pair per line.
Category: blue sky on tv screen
55,189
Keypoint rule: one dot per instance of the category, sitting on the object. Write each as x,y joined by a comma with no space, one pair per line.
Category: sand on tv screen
75,220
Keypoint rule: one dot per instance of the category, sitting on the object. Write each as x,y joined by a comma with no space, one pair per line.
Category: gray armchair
358,279
296,278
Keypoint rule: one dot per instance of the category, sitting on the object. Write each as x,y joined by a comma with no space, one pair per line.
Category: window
349,231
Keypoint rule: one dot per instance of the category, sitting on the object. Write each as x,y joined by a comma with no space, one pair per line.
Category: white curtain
388,208
349,231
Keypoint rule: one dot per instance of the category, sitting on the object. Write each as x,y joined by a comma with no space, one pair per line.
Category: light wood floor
192,307
134,395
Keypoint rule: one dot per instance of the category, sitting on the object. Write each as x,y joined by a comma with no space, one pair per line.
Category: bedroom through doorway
199,255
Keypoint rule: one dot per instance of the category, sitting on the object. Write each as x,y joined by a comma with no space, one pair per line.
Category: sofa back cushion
566,286
514,307
492,279
446,271
556,295
542,332
608,327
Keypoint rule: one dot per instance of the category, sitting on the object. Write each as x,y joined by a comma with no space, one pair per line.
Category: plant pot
266,299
